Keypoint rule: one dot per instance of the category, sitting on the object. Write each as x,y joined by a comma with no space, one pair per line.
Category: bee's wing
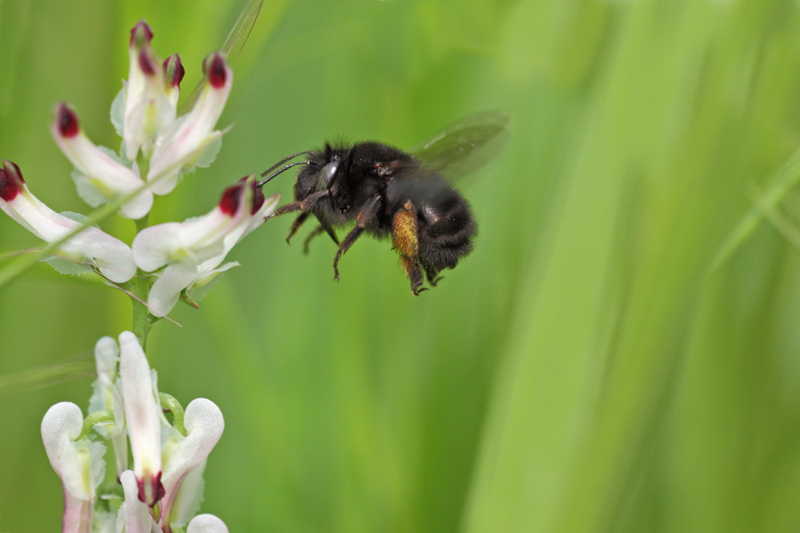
465,145
241,30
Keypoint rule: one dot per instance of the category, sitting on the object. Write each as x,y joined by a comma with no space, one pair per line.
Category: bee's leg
304,205
327,227
323,227
318,230
296,225
404,238
362,219
432,273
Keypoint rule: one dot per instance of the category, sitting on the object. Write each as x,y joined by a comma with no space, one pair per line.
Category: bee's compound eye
326,174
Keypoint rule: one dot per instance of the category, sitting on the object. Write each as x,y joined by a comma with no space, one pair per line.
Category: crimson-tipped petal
146,62
10,180
67,121
141,34
231,198
215,68
173,71
150,490
258,198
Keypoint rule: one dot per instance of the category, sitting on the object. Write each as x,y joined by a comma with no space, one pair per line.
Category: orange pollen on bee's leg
404,233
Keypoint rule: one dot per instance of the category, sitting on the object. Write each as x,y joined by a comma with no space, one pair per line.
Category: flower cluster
164,489
158,147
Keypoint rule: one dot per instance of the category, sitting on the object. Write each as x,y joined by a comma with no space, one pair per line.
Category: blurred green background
582,370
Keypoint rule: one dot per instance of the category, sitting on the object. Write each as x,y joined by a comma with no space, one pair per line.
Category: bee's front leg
305,205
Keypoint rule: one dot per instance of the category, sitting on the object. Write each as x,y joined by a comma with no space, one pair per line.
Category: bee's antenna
284,160
280,170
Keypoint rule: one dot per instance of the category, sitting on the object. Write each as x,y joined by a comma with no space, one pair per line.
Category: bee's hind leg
404,238
432,273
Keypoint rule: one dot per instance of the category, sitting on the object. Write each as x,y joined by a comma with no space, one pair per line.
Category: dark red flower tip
173,71
229,203
146,63
67,121
10,180
214,67
160,492
258,198
141,34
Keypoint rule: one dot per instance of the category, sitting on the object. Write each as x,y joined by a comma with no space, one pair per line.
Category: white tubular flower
147,105
142,418
99,176
111,256
79,464
107,395
134,516
206,523
173,75
180,145
204,425
193,250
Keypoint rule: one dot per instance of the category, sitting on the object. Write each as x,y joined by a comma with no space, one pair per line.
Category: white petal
113,257
141,415
199,237
167,289
134,514
190,496
206,281
98,169
62,423
106,356
83,467
204,425
206,523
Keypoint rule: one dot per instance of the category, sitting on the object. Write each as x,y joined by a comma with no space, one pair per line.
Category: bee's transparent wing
465,145
240,32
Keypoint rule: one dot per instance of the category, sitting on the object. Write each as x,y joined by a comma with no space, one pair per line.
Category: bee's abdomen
446,230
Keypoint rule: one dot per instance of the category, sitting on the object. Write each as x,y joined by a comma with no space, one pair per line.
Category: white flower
206,523
193,250
108,396
110,255
98,175
79,464
204,425
148,108
180,145
142,418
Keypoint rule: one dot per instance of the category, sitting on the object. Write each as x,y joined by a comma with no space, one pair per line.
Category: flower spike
99,176
111,256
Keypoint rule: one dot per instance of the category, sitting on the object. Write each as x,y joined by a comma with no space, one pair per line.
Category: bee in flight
387,191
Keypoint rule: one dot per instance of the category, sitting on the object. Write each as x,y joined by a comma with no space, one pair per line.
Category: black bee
387,191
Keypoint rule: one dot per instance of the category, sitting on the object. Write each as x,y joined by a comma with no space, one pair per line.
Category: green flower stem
140,287
140,284
169,403
93,419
